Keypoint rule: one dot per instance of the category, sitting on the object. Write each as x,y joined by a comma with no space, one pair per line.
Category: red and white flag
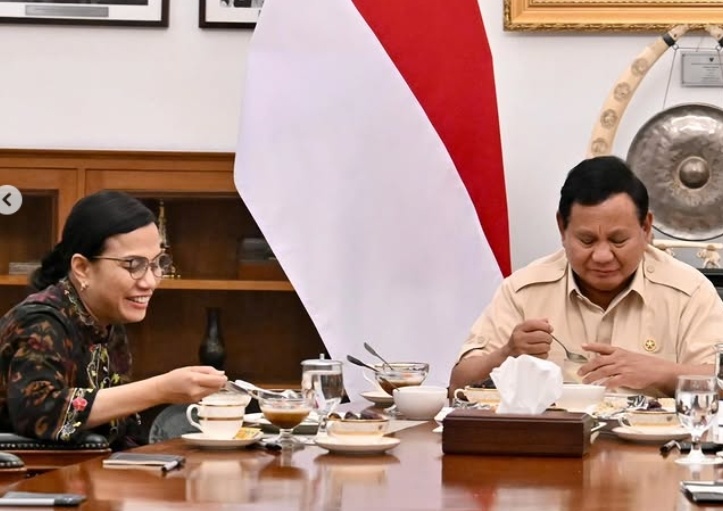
369,154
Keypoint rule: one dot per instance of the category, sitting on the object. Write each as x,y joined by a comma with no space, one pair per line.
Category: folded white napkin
527,385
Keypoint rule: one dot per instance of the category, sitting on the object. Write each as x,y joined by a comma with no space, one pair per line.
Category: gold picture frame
609,15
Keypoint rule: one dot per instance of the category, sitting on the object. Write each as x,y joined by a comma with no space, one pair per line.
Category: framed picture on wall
229,13
610,15
141,13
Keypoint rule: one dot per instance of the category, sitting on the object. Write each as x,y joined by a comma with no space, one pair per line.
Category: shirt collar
78,311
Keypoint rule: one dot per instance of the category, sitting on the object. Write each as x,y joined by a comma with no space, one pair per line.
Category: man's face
604,244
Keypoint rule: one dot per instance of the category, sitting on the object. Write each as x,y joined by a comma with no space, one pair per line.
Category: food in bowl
352,427
400,374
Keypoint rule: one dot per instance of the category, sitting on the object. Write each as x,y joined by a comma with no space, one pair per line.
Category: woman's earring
83,286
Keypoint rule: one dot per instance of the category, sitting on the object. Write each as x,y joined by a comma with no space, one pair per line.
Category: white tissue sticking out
527,385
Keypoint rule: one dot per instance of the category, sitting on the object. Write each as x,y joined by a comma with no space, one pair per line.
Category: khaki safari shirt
670,310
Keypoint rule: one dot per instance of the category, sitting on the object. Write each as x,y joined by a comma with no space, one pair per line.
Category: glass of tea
396,375
286,412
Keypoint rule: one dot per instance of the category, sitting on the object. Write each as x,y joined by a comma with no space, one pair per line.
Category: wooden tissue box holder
469,431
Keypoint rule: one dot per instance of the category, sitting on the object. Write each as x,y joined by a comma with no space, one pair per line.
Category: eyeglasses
137,266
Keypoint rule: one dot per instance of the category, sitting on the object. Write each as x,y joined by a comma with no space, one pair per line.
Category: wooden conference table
415,475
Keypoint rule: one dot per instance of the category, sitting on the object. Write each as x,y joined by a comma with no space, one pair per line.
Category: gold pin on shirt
650,345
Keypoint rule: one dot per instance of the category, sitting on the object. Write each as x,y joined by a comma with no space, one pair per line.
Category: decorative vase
212,351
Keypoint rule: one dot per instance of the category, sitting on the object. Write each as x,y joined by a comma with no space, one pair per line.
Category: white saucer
200,440
379,446
378,397
308,427
651,434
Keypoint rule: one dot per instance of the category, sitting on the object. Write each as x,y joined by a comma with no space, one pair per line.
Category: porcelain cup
478,395
220,415
649,418
420,403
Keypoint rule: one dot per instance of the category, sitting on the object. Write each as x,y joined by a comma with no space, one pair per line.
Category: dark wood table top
615,475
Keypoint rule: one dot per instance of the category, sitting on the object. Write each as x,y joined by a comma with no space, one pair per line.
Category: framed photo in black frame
139,13
229,13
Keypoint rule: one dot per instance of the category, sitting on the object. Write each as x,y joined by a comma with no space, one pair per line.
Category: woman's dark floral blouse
53,358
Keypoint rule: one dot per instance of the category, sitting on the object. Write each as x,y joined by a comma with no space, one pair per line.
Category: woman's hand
189,384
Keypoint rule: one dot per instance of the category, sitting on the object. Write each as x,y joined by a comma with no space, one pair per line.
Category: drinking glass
696,402
396,375
718,436
719,364
323,381
286,412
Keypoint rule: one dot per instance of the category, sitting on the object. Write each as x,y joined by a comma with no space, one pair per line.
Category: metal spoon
249,388
373,352
359,363
572,357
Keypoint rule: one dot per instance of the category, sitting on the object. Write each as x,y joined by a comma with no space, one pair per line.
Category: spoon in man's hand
373,352
571,356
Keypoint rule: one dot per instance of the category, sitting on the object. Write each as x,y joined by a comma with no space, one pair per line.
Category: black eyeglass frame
159,265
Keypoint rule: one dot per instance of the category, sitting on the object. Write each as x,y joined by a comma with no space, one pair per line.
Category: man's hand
617,367
531,337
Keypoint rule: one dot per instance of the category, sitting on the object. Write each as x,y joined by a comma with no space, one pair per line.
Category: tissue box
553,433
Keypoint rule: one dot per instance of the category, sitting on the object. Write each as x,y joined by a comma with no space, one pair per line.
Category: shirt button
650,268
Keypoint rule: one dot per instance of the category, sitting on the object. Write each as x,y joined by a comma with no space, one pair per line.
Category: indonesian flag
369,155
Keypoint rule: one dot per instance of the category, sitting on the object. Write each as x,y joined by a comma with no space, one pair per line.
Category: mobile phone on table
39,499
703,491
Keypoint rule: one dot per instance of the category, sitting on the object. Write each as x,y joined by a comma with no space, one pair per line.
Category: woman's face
112,294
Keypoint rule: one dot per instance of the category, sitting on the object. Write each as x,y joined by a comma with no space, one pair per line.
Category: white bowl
579,397
420,403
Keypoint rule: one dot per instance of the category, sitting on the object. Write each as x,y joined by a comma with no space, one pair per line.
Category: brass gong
678,154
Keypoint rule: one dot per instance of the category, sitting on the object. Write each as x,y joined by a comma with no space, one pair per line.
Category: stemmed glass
696,401
323,381
397,375
286,412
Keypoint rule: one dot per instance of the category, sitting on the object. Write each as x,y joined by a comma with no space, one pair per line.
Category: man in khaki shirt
641,317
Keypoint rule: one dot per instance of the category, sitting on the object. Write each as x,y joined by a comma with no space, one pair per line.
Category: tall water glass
718,436
696,402
323,380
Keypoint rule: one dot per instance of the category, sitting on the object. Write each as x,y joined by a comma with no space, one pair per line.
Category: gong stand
678,154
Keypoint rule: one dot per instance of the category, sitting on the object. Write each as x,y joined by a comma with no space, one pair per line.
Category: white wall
180,89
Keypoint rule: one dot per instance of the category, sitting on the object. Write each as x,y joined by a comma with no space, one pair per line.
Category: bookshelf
266,329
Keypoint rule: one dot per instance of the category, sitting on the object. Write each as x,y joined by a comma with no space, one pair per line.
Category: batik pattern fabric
54,357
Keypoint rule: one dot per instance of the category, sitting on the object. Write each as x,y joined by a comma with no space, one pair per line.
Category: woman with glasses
64,355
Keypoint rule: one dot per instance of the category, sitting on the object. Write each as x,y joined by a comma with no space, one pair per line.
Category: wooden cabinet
265,327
